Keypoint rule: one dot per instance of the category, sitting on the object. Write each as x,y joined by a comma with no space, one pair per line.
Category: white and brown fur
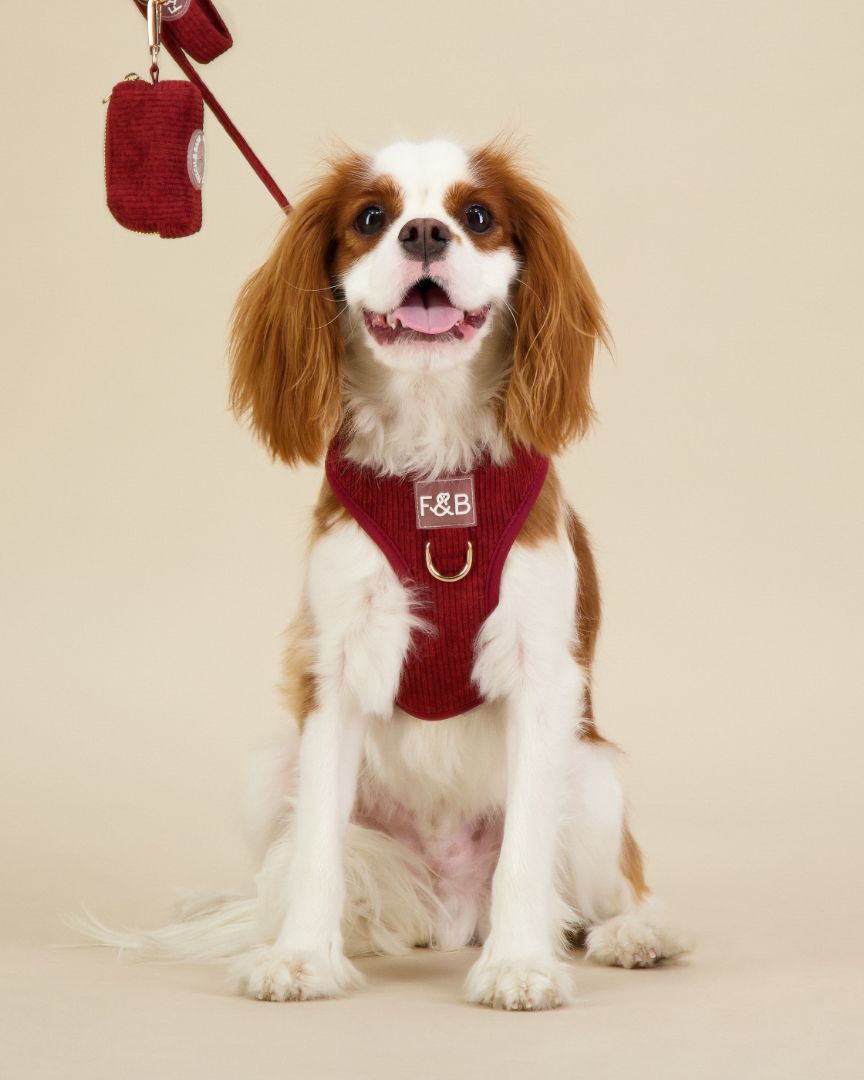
505,827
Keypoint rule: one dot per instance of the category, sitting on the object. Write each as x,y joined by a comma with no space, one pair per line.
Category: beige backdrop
711,157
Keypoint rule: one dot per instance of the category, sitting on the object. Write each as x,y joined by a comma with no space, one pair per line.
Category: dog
425,327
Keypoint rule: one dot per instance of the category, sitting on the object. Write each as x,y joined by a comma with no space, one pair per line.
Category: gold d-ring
430,566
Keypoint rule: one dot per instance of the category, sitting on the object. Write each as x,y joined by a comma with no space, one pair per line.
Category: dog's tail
390,907
207,928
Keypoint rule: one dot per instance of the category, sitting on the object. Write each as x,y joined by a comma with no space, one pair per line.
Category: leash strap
224,119
211,46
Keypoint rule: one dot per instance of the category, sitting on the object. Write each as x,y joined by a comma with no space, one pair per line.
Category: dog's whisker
512,314
330,321
325,289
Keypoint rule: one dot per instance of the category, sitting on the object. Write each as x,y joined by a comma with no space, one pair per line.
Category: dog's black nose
424,238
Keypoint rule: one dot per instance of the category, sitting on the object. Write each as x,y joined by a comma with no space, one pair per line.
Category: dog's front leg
526,659
307,959
362,627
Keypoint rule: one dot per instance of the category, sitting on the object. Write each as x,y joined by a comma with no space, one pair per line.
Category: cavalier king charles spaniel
425,326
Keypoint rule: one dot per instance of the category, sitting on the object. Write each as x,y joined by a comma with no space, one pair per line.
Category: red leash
211,39
224,119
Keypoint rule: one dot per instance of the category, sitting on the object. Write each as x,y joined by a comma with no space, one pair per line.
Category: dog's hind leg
626,925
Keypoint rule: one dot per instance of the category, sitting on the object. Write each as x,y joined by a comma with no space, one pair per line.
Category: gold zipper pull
131,77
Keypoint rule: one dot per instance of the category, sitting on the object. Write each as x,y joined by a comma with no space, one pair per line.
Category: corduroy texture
436,680
147,137
196,26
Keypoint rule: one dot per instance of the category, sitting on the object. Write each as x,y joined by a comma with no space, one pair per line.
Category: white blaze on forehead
424,172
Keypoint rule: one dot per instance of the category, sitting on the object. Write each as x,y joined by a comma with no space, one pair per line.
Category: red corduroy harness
447,538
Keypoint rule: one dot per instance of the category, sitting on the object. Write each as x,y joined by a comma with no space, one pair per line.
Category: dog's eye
371,220
478,218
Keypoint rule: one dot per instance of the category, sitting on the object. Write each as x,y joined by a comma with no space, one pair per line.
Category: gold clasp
466,569
154,34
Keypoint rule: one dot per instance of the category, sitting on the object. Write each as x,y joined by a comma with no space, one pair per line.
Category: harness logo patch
445,504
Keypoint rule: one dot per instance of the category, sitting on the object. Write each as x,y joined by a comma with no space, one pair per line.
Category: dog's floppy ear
558,315
286,344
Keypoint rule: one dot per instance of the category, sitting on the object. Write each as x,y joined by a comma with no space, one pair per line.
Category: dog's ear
558,316
286,343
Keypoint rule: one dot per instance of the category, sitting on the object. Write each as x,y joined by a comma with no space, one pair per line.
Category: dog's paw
531,983
639,939
273,973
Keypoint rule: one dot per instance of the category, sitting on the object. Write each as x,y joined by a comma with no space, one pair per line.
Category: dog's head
413,257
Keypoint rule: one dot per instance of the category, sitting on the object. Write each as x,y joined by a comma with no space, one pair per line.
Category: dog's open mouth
425,314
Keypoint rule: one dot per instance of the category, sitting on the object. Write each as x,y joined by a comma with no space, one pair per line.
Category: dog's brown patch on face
461,195
350,243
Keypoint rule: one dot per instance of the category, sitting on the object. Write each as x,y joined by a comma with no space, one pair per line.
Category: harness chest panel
446,539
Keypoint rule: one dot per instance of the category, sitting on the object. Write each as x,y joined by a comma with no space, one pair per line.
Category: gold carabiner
154,35
466,569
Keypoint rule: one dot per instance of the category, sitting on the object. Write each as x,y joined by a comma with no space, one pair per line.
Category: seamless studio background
710,157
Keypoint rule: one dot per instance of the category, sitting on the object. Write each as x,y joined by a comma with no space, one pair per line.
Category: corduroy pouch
154,156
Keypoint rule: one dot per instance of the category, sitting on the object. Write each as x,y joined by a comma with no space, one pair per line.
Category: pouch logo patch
195,159
172,9
445,504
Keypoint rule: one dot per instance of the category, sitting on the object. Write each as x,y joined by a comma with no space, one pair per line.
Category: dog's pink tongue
428,311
